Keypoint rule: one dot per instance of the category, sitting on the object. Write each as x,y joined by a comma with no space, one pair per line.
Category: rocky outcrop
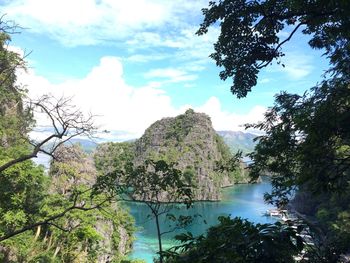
109,244
71,169
190,141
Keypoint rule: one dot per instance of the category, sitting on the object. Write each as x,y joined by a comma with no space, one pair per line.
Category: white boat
273,212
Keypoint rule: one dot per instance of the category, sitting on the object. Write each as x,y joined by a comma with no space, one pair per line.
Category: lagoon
244,200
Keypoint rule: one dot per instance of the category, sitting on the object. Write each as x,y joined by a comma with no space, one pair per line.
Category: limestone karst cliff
73,171
190,141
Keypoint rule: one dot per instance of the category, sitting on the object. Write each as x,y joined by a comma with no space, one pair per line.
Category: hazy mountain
237,140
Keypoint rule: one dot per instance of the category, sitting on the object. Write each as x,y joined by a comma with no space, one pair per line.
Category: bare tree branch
265,63
67,122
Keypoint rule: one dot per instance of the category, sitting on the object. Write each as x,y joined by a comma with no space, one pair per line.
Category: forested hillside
54,217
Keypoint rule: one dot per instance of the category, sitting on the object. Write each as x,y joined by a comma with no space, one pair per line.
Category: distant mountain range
238,140
235,140
87,145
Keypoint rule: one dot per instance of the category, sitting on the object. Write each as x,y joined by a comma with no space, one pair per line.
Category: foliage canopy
305,146
238,240
249,39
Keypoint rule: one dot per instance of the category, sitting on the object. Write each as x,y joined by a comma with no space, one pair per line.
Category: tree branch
264,64
66,121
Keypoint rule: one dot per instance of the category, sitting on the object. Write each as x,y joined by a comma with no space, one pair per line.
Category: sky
134,62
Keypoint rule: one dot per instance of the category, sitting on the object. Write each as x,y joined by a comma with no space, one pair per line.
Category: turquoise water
245,201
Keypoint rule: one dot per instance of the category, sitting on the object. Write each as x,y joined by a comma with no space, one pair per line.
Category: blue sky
133,62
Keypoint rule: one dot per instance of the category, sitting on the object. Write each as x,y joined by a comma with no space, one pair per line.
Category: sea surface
244,200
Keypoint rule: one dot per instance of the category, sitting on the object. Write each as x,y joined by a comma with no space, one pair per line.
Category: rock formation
190,141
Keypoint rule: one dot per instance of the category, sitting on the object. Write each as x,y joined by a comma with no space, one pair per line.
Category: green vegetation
249,39
96,233
306,143
161,168
238,240
157,184
112,157
160,186
69,215
229,164
181,126
189,141
59,216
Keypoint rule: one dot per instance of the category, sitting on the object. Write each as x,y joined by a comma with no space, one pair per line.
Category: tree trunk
159,240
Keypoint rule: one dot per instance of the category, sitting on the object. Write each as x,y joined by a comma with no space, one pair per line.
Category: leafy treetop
238,240
250,39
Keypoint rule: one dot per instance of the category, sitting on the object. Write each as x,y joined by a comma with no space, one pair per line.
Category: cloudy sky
134,62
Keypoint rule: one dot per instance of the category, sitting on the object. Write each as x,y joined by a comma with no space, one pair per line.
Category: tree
112,157
238,240
92,231
66,120
17,109
157,184
55,218
97,235
307,141
249,39
27,200
305,148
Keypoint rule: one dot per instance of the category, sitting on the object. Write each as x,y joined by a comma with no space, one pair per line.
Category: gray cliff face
85,174
105,228
190,141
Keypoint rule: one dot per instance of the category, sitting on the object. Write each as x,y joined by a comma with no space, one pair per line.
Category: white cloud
184,43
87,21
125,108
171,75
137,26
104,93
17,50
91,22
264,80
224,120
140,58
297,65
133,25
